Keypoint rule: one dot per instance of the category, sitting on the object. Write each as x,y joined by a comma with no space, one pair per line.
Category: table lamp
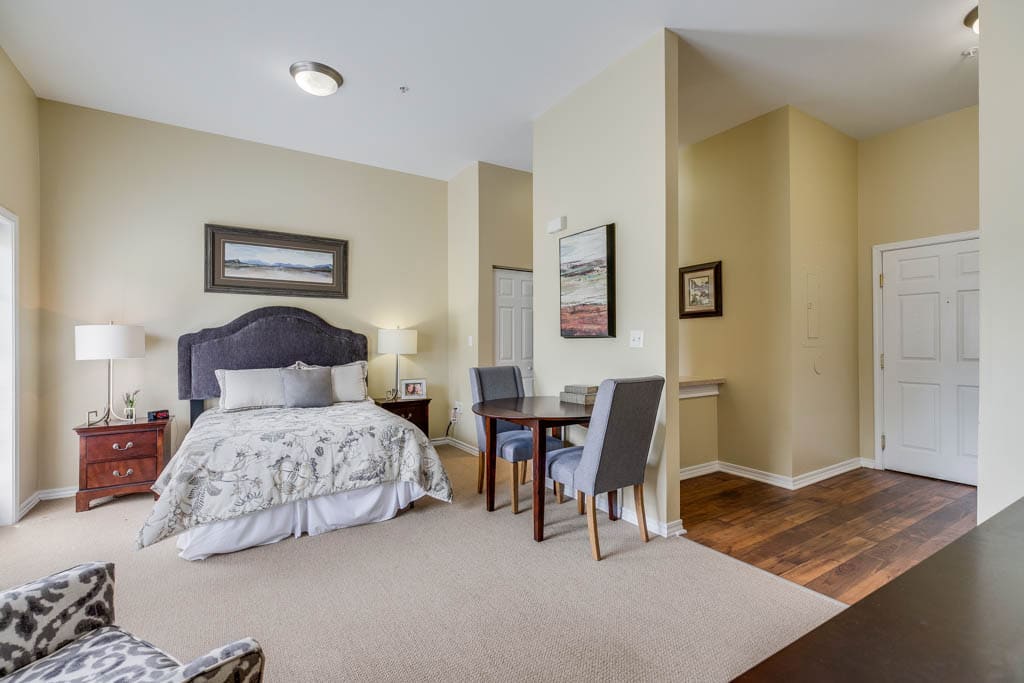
399,342
109,342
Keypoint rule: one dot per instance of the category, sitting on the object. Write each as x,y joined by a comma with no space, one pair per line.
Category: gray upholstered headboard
271,337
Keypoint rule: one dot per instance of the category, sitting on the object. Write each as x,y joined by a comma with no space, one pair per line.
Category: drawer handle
130,472
119,447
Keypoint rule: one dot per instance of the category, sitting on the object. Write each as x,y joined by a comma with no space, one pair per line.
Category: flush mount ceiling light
971,21
316,78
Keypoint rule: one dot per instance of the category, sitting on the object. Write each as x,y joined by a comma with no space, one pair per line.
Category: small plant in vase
129,405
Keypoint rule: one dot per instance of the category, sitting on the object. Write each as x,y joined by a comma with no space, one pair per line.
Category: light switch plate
636,339
469,341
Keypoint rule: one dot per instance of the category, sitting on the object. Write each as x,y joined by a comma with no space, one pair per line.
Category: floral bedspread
235,463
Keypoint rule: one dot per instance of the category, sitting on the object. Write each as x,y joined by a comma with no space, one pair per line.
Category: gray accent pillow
309,388
245,389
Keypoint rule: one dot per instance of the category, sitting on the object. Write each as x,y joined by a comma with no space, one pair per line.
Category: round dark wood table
538,413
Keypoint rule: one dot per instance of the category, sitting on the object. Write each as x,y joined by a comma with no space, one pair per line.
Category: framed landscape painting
586,269
248,261
700,290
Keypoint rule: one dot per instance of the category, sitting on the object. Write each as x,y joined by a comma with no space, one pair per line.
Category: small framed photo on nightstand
413,388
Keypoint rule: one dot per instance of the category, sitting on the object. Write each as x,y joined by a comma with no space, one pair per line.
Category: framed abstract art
586,270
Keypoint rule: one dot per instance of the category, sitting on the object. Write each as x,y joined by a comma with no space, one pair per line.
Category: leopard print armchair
60,629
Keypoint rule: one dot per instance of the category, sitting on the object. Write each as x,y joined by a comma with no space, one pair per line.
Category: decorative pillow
307,388
244,389
349,381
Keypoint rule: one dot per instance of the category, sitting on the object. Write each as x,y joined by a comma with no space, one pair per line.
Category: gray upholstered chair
515,442
614,454
60,630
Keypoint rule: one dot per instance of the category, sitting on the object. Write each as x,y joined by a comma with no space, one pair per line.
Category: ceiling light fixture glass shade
972,21
316,78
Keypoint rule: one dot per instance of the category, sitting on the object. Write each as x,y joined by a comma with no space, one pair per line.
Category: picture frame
413,388
700,290
252,261
586,283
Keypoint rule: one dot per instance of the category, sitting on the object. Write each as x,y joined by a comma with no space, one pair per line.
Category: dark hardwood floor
844,537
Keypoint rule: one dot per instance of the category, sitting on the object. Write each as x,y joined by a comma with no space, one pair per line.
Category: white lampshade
402,342
104,342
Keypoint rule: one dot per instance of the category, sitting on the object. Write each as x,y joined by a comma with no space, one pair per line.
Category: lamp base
107,417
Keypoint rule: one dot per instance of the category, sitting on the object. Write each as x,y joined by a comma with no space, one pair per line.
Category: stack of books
579,393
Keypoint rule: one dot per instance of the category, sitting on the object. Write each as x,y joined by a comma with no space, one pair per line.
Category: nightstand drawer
118,446
118,472
415,412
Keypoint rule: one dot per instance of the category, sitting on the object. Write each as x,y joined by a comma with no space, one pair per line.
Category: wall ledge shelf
698,387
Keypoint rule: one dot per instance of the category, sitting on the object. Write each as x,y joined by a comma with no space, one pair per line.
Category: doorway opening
926,306
8,367
513,321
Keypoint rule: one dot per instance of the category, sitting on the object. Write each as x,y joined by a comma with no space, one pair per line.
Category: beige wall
463,292
823,249
917,181
698,431
124,205
1001,476
775,199
20,194
734,207
490,210
607,153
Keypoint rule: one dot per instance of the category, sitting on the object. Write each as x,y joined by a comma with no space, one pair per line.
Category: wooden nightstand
415,410
119,458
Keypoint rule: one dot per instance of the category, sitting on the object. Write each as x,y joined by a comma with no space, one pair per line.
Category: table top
117,426
954,617
533,408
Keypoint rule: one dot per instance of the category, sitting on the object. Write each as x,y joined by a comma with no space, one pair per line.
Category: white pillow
349,381
242,389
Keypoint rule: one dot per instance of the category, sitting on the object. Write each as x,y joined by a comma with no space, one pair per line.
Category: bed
252,477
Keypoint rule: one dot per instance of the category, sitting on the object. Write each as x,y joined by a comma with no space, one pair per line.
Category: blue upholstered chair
515,442
614,454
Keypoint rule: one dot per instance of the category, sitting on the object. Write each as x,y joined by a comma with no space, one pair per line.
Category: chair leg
580,500
641,517
560,492
515,488
480,473
613,505
595,546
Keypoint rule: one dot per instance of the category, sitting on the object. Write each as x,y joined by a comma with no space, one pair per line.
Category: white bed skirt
314,516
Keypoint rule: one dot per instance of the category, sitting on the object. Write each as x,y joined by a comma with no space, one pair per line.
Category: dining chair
514,442
614,454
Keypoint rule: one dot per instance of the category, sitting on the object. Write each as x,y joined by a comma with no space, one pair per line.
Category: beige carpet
441,592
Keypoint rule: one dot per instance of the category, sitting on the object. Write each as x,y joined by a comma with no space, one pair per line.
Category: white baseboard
824,473
757,475
699,470
455,443
871,463
45,494
790,483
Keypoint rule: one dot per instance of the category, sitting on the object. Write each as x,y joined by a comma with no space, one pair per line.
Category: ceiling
480,71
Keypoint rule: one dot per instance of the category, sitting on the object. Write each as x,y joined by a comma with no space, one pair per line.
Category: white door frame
876,317
9,465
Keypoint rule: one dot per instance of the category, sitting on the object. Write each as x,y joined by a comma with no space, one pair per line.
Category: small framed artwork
414,388
249,261
586,273
700,290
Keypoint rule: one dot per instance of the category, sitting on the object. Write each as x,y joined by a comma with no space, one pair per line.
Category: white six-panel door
930,323
513,322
